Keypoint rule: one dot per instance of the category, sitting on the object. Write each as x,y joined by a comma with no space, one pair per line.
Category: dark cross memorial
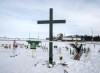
50,22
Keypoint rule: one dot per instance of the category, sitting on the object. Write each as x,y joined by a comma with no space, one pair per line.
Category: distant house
67,38
71,38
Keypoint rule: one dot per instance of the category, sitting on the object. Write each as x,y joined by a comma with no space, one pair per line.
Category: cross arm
59,21
43,22
53,21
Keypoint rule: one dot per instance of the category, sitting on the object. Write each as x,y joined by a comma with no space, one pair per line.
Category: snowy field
25,63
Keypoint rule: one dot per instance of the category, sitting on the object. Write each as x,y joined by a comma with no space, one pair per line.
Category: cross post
50,22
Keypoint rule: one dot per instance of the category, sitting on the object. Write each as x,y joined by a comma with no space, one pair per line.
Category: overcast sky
18,18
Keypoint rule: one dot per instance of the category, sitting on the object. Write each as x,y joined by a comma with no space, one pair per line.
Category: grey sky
18,18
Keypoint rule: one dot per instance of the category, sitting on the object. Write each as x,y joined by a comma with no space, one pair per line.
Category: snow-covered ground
25,63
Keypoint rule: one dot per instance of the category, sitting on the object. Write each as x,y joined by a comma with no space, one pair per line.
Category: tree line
90,38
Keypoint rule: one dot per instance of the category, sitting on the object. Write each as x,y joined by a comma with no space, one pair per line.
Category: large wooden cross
50,22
